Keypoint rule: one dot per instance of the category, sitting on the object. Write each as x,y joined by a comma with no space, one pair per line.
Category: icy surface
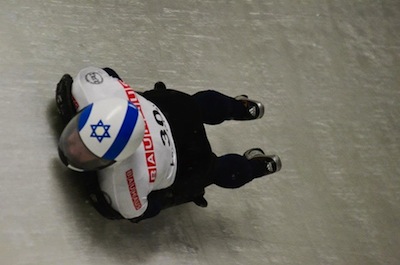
327,71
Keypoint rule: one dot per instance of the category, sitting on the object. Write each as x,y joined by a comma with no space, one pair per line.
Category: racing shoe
254,109
264,164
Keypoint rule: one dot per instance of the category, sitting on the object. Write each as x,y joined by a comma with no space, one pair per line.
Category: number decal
158,118
165,138
163,133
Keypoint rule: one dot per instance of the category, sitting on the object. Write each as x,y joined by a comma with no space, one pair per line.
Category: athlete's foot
254,109
271,163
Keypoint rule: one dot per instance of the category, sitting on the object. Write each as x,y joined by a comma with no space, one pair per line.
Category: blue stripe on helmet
124,133
84,116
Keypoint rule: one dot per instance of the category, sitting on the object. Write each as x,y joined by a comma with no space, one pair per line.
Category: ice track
327,71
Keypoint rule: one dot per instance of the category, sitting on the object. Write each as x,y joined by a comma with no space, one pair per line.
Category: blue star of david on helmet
99,133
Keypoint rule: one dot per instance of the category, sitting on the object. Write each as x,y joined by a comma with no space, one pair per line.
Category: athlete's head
102,133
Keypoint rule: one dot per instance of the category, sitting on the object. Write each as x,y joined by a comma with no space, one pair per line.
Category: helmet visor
74,153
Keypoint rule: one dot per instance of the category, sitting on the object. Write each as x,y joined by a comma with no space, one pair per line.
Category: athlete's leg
234,171
217,107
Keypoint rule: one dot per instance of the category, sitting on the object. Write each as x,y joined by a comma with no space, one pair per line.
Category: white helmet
102,133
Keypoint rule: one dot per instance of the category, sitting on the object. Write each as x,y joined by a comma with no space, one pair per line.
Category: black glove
65,105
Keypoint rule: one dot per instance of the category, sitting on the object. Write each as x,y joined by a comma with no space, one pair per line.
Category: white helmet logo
94,78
